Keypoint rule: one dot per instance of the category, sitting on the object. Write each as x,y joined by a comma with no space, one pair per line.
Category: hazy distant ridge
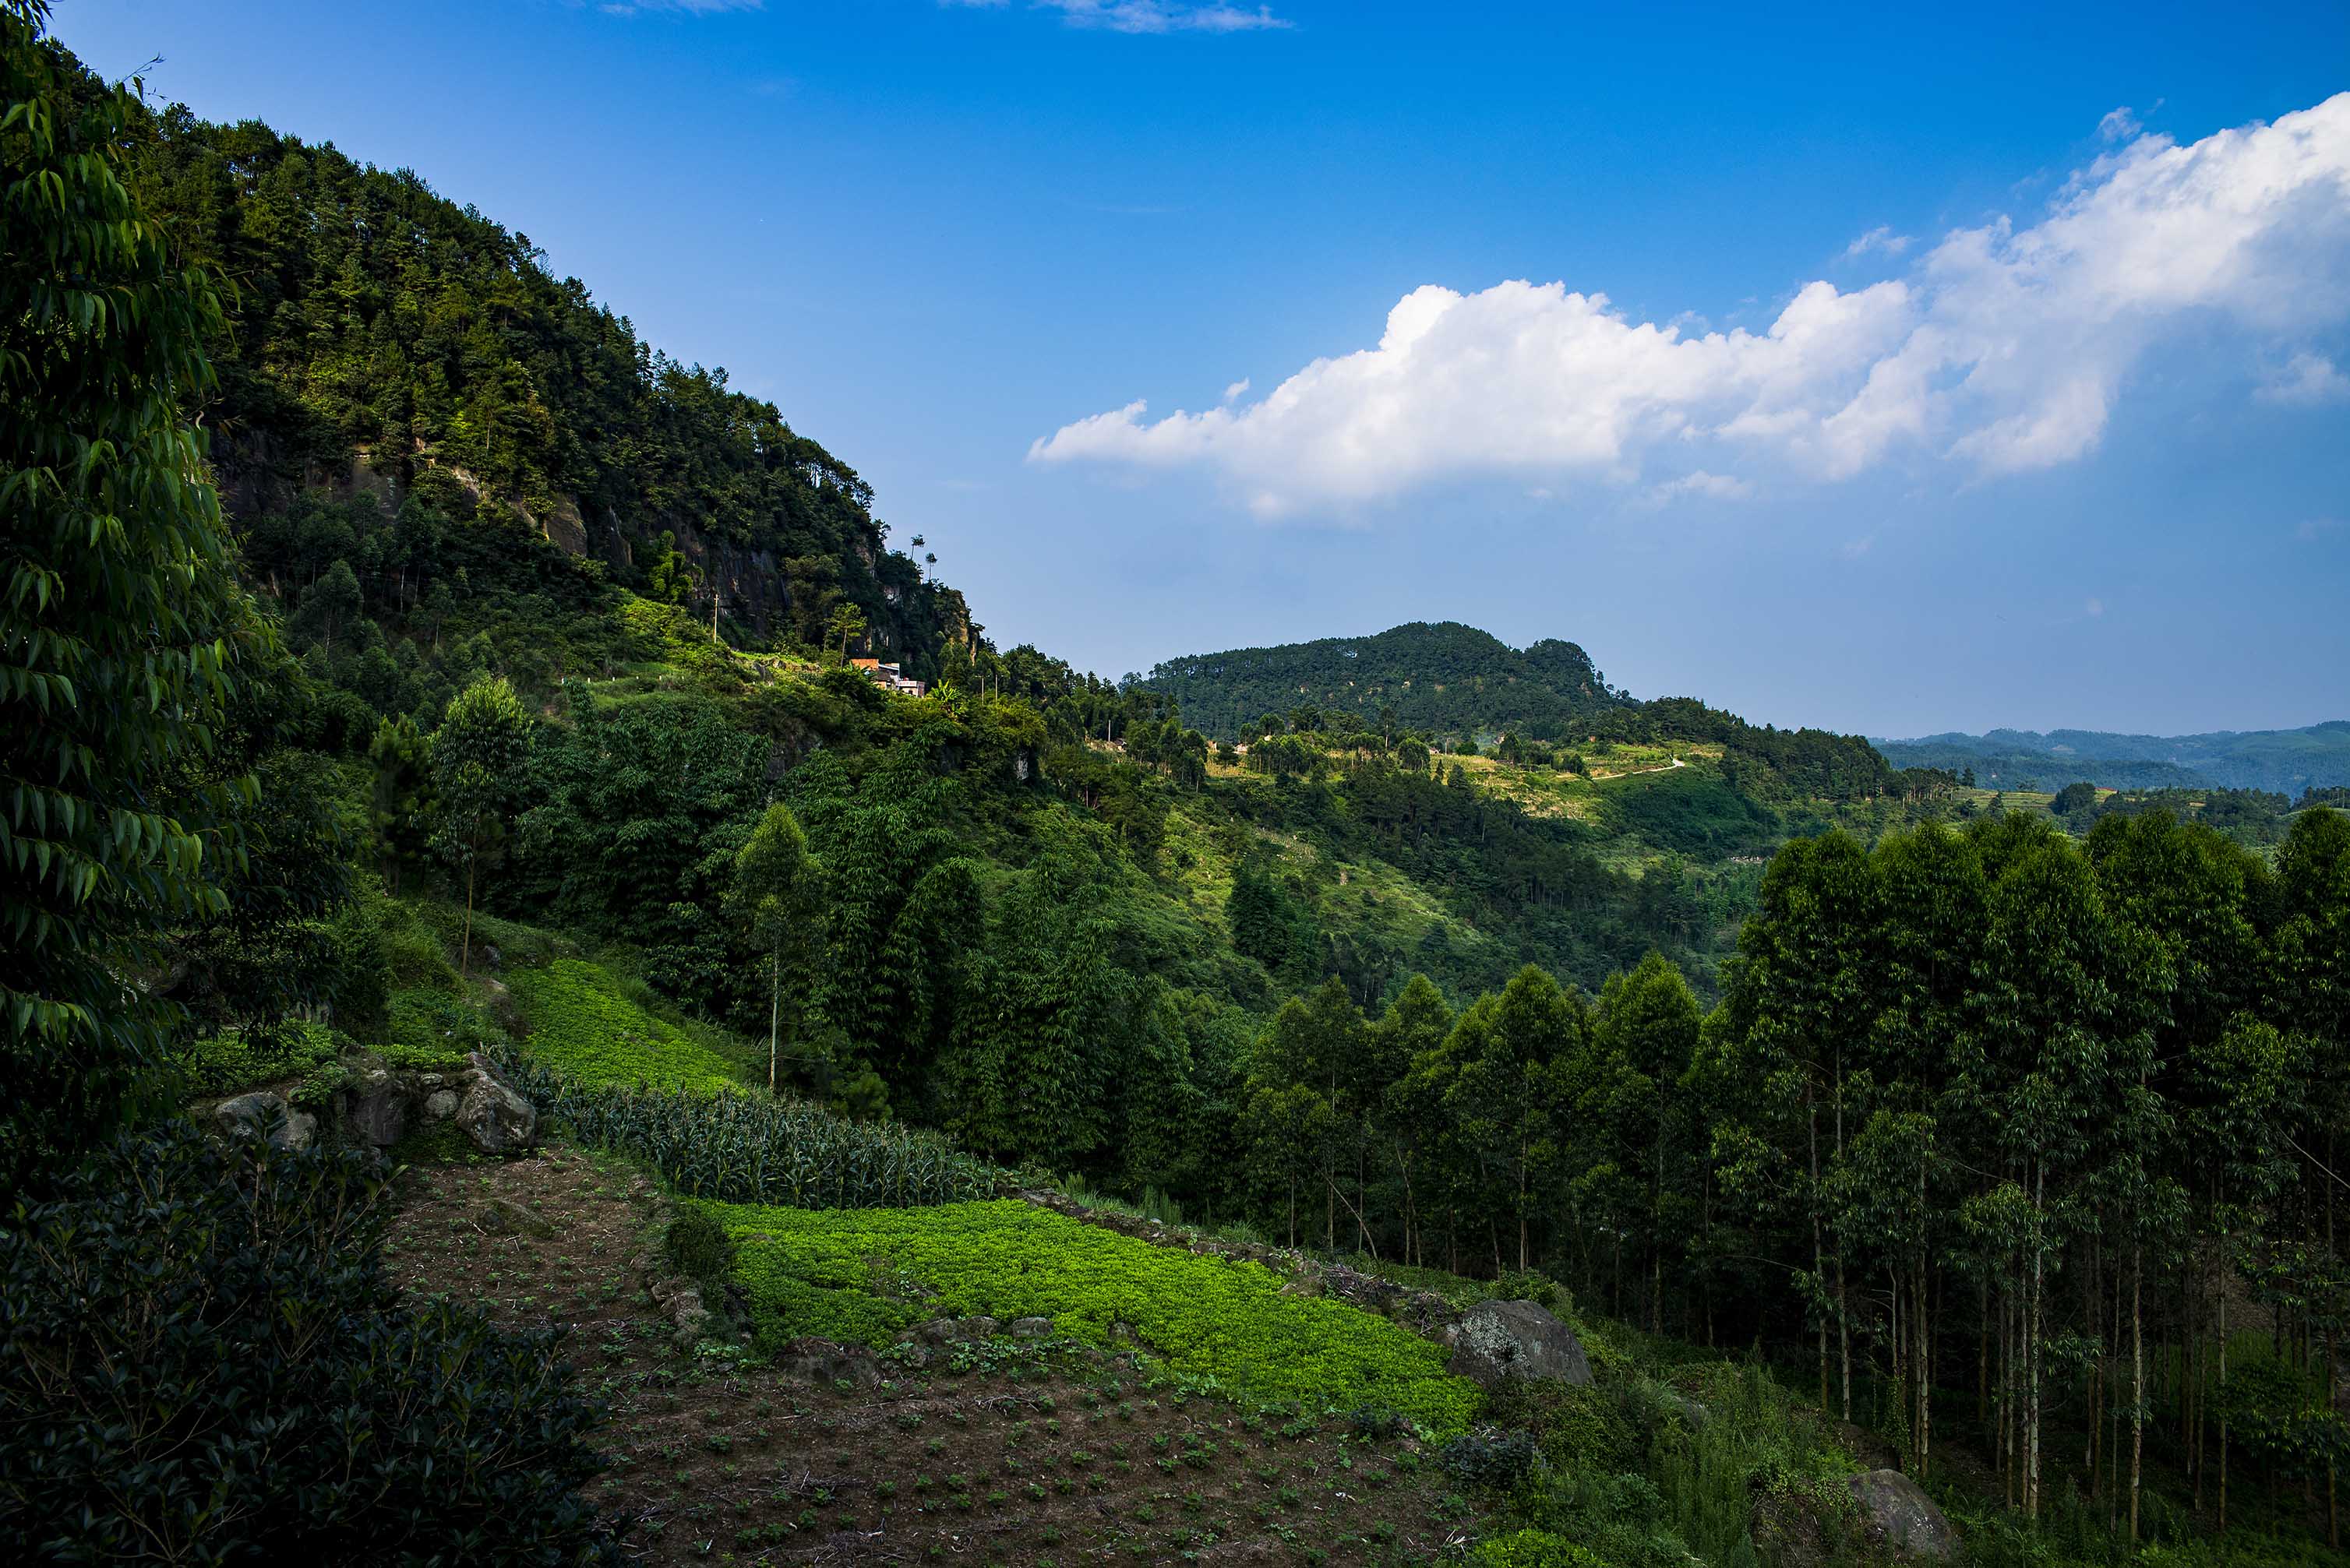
2285,761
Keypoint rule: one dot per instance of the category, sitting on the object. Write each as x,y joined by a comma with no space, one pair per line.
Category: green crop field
585,1028
866,1275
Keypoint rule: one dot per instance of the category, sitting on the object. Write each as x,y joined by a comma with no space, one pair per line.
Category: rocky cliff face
759,588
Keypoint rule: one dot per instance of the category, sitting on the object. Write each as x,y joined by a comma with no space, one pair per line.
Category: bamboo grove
1995,1131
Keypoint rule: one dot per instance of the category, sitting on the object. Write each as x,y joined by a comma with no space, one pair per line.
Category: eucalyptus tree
1927,959
1319,1043
1805,1007
2072,997
1631,1134
2310,996
2192,895
1501,1075
1412,1029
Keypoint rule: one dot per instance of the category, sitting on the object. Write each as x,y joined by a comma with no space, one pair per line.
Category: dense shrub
868,1274
698,1245
1493,1456
201,1361
224,1063
1585,1427
1533,1549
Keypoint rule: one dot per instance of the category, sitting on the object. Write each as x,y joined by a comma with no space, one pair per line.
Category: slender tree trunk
2096,1378
1819,1245
1522,1264
2223,1407
2137,1382
2033,1333
1843,1313
465,952
1362,1197
774,1017
1923,1364
1656,1231
1983,1353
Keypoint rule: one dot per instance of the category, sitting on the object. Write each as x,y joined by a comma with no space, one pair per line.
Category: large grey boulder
498,1120
1895,1513
377,1108
257,1112
1496,1341
267,1113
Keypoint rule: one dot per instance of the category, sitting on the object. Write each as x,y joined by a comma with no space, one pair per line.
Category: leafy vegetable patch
867,1275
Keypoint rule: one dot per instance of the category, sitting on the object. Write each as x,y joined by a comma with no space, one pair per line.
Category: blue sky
2065,443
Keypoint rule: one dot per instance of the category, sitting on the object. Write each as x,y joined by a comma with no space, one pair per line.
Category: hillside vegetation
1852,1115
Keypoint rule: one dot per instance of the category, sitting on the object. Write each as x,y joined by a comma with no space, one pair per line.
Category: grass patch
428,1029
867,1275
584,1027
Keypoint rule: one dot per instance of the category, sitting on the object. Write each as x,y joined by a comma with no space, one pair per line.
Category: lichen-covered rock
376,1109
1496,1341
259,1113
1896,1515
1031,1327
498,1120
266,1113
441,1105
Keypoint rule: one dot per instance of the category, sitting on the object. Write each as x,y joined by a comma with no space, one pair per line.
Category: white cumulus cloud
1711,486
1149,15
1879,238
2306,380
2002,347
690,7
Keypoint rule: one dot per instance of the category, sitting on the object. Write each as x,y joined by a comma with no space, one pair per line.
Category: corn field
746,1148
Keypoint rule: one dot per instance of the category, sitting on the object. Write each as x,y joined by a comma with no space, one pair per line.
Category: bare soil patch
1014,1452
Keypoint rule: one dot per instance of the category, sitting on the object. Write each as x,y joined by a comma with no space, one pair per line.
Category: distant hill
1449,682
2287,762
1439,679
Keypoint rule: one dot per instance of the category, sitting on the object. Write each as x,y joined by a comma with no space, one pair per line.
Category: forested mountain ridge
2282,761
1441,678
1454,685
383,345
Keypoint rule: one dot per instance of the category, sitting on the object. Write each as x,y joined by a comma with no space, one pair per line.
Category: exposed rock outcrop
1896,1515
497,1119
1497,1341
266,1113
375,1108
